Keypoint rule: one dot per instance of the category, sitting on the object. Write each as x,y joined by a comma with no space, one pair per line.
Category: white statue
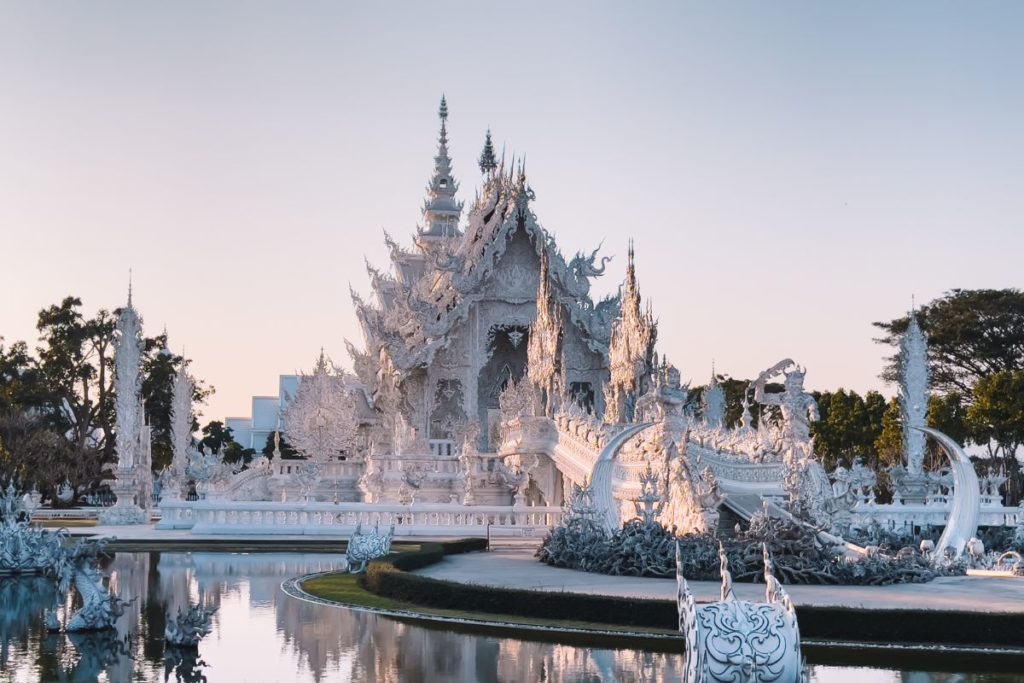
798,407
914,394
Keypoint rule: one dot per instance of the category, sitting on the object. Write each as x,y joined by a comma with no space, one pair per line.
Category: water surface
262,635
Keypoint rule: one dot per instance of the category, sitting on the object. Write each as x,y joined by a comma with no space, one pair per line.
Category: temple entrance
506,359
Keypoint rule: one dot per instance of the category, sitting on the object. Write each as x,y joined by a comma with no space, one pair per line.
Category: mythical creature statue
798,407
79,567
365,547
672,396
25,549
582,268
188,628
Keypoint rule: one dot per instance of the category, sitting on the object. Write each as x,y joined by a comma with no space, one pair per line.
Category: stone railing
340,519
896,516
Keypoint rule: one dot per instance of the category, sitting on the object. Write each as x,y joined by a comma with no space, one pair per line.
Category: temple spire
440,210
488,162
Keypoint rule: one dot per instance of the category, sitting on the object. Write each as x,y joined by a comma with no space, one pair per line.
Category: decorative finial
487,161
129,287
443,110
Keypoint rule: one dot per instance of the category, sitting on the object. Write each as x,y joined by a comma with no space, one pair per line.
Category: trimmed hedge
390,578
431,553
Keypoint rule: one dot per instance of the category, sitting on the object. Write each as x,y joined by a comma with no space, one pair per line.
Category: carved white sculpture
798,407
127,387
364,547
713,401
630,355
544,353
963,513
186,629
735,640
320,422
914,393
181,434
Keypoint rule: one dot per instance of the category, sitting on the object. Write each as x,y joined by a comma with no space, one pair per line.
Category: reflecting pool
262,635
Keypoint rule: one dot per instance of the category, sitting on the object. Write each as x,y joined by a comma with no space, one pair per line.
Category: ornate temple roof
433,286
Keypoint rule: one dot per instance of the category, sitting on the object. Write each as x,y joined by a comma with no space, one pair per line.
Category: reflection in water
260,634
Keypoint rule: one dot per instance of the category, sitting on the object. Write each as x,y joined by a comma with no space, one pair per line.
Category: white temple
489,376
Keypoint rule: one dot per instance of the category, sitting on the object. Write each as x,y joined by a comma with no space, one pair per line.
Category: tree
67,390
219,438
996,420
972,334
76,362
889,444
848,428
947,413
287,452
34,455
159,368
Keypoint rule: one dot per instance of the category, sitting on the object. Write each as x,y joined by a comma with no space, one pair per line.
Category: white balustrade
340,519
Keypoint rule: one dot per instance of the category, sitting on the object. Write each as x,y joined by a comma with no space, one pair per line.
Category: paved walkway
517,568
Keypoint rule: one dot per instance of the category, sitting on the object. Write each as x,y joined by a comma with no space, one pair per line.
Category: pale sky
789,171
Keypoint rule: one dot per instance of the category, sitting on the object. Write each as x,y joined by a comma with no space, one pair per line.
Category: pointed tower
544,348
441,211
128,387
914,393
488,162
631,351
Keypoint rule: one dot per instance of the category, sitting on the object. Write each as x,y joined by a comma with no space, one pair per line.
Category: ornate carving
364,547
320,422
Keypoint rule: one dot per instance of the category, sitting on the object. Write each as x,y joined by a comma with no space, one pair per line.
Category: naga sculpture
79,567
735,640
25,549
365,547
187,629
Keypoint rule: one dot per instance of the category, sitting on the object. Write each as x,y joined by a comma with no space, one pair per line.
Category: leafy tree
21,382
947,413
848,428
67,389
76,363
996,420
36,456
889,444
972,334
287,452
219,438
216,436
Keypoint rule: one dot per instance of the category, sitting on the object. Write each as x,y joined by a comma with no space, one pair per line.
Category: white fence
340,519
934,513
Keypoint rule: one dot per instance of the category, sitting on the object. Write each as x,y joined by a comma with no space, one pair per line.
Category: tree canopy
972,334
57,417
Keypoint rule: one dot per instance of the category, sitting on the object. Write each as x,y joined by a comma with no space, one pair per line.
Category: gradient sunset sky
789,171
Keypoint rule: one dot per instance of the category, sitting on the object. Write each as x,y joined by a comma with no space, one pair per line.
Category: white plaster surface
517,568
